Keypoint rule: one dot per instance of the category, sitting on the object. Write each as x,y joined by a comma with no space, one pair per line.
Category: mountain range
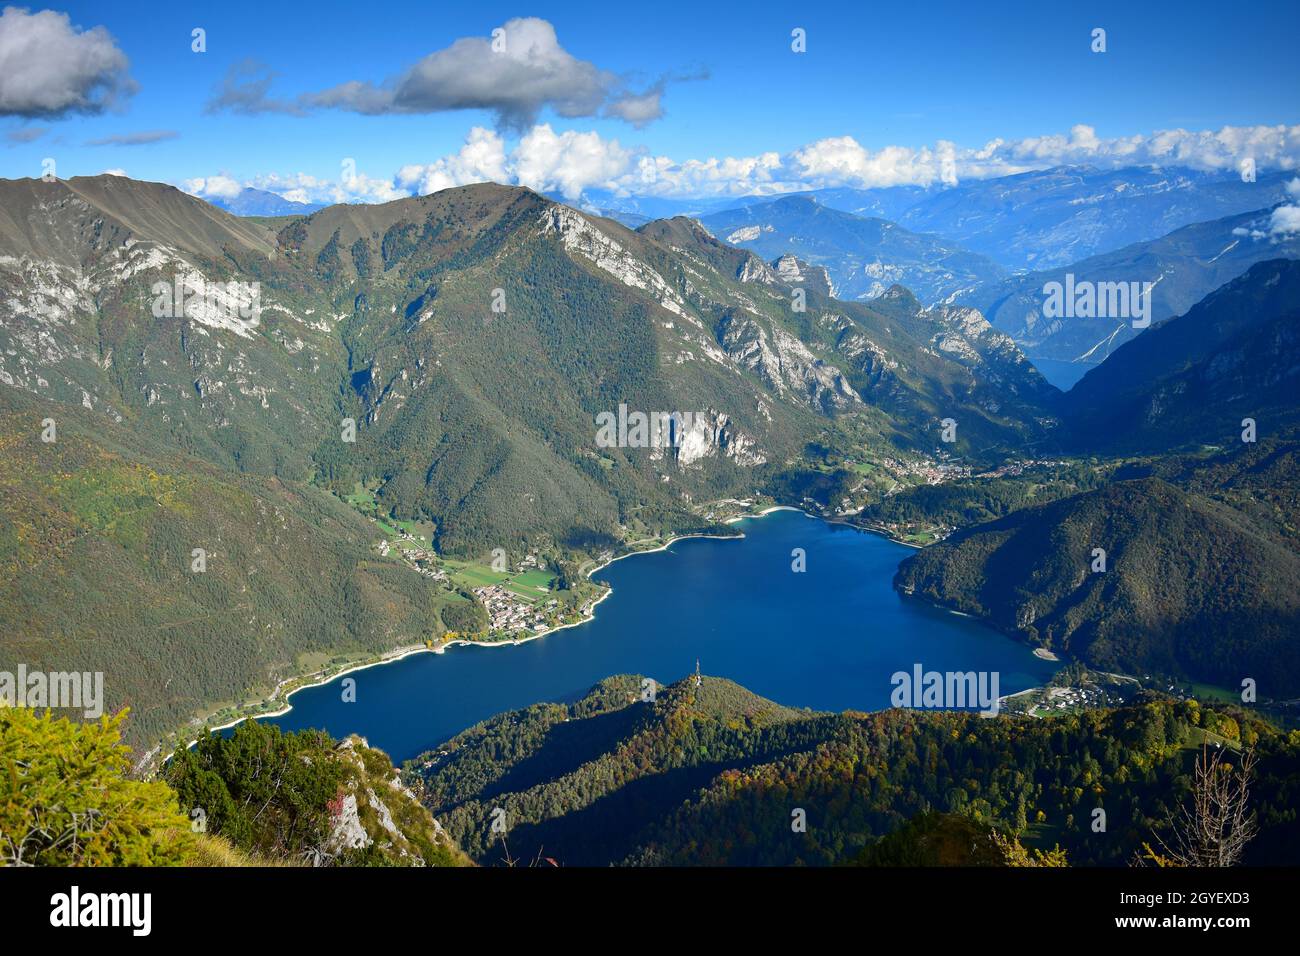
204,372
1049,218
226,384
1182,268
1234,355
1029,221
863,256
259,202
996,244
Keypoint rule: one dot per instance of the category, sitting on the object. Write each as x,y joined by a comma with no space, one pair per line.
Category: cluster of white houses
507,611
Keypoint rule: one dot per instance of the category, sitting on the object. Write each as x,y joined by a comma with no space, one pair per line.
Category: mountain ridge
1198,376
367,353
864,255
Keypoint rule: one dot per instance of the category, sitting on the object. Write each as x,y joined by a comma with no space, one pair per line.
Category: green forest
68,797
714,775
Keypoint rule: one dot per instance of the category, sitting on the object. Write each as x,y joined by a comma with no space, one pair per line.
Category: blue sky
910,76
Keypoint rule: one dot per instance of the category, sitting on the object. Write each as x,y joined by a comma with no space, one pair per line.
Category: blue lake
829,638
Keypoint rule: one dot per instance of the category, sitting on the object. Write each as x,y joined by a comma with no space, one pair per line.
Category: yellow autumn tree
66,798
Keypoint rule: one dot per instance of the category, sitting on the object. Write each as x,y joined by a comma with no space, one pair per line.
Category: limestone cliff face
754,269
579,235
787,366
793,271
375,815
713,433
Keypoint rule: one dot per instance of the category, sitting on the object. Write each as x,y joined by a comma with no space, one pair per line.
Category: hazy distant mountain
259,202
630,219
1192,379
864,256
882,202
1048,218
633,211
1185,266
1035,220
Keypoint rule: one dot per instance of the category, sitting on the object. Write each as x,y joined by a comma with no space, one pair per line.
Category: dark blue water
829,638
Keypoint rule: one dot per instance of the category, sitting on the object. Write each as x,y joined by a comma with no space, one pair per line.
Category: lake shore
280,699
743,631
318,678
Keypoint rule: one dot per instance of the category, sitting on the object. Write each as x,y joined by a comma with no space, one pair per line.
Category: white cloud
730,176
245,89
1285,221
567,162
481,159
842,161
142,138
48,67
572,162
515,73
357,187
300,187
212,187
1275,146
29,134
639,109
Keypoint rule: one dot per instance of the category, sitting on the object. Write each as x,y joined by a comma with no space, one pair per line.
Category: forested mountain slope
98,542
474,335
1199,577
213,380
1195,378
714,775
